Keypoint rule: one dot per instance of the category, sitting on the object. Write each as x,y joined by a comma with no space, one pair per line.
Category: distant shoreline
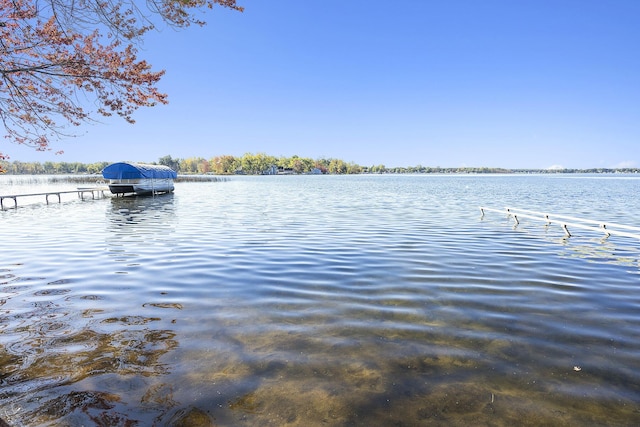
95,178
187,177
262,164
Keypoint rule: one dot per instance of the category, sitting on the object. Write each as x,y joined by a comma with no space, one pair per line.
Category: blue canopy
137,171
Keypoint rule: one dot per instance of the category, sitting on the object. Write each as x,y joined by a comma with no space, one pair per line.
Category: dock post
15,201
46,196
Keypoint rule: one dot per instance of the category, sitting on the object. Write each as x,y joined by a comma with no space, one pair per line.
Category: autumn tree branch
52,51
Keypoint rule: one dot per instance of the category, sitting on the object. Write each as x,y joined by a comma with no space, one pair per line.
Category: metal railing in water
569,221
95,192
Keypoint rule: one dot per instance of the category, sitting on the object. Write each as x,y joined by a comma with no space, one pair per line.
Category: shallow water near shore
322,300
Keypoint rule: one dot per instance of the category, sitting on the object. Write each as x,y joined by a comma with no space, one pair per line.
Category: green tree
96,168
264,162
256,164
48,167
191,165
168,161
337,167
297,164
224,165
378,169
353,168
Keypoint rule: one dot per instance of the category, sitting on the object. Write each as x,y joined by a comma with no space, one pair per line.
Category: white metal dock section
95,192
569,221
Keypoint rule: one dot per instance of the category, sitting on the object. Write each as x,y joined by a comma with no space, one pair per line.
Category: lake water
321,300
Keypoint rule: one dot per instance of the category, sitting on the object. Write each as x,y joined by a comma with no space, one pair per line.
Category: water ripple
321,300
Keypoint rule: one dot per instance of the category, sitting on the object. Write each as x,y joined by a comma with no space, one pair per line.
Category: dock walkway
569,221
81,191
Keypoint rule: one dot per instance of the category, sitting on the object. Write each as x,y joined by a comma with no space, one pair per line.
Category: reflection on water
296,301
138,217
138,229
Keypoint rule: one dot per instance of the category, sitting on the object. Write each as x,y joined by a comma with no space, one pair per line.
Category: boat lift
569,221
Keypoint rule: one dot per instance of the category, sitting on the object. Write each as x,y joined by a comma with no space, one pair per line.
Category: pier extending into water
96,192
569,221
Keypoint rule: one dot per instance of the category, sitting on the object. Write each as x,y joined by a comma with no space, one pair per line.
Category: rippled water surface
322,300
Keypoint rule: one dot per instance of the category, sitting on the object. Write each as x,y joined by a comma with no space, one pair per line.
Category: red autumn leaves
62,65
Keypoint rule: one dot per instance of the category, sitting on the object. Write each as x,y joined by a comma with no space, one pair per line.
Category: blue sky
496,83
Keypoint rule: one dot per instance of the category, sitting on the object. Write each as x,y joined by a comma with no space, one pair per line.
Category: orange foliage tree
54,54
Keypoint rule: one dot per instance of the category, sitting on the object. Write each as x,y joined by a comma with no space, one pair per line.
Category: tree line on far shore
261,164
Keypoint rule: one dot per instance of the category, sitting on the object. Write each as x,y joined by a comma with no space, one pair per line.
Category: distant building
285,171
272,170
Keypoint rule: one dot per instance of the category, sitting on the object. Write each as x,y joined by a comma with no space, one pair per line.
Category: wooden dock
96,192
